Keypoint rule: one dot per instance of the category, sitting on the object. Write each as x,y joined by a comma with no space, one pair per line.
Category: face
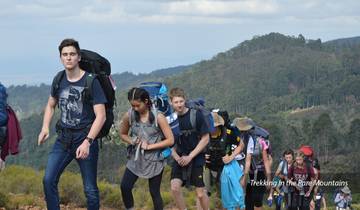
289,158
178,103
138,106
299,160
69,57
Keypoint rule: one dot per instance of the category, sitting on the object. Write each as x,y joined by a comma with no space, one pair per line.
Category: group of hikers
209,151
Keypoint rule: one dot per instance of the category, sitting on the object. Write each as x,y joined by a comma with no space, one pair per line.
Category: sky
144,35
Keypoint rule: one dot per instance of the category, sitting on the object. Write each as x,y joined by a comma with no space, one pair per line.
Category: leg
198,182
202,197
177,193
176,184
208,177
306,203
249,203
154,186
88,169
126,186
58,159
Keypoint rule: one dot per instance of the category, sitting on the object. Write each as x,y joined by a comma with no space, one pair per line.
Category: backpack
3,104
98,67
160,101
199,105
257,134
225,115
310,160
217,149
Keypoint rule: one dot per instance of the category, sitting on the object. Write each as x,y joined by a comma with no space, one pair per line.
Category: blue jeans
59,158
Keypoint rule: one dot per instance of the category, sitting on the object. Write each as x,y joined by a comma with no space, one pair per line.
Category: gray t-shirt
149,163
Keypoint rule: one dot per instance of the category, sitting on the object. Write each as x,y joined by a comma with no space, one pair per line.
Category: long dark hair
142,95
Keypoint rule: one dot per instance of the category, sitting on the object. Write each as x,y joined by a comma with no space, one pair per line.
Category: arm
201,145
166,130
267,165
228,158
278,171
175,155
338,198
100,116
48,114
124,129
185,160
246,170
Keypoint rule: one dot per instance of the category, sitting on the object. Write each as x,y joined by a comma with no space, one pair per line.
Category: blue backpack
160,101
3,104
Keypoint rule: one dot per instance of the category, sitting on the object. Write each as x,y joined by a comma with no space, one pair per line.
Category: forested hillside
303,91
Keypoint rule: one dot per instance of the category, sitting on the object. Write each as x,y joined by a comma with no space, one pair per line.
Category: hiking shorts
195,176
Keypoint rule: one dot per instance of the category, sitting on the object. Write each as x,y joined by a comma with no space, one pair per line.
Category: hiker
3,121
224,146
311,161
282,192
301,180
318,201
149,134
77,128
10,130
187,168
257,164
343,199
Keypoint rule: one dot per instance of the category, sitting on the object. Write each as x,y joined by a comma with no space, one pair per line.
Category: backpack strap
88,92
284,164
192,123
309,165
56,82
193,118
131,114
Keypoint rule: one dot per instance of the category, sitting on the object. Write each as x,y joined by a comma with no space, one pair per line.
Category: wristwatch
90,140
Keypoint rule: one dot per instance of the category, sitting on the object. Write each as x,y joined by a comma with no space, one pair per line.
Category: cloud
184,12
211,7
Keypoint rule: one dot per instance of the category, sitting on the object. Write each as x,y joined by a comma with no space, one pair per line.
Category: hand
185,160
44,134
144,145
307,193
135,140
227,159
177,159
82,152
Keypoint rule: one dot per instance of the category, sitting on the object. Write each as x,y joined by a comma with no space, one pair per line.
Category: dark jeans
59,158
127,184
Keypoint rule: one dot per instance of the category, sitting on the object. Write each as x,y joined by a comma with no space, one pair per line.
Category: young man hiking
81,119
188,152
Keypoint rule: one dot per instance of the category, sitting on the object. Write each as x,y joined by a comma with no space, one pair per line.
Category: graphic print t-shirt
74,112
301,175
